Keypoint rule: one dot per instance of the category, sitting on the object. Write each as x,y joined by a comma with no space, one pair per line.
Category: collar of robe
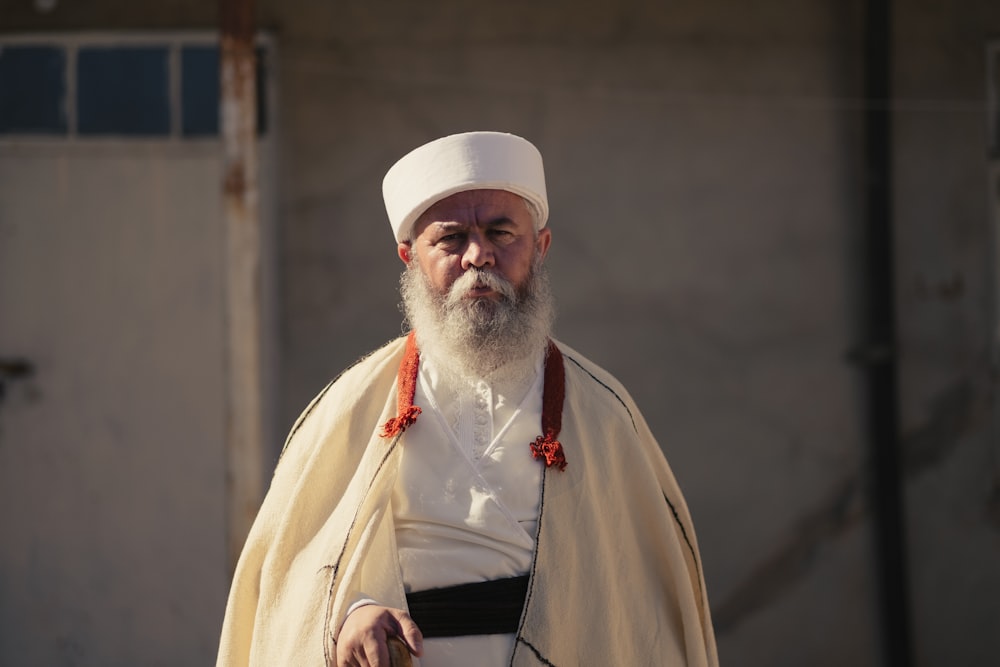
544,447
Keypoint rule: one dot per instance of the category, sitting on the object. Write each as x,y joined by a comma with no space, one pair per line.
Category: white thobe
466,502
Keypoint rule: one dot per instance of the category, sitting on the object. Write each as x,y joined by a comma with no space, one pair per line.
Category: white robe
465,504
615,576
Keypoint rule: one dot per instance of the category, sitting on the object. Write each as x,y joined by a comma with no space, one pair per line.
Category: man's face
485,229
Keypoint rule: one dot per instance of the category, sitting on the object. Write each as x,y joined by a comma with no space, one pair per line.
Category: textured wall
947,287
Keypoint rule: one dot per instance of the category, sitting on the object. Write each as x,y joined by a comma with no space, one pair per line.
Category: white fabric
459,162
616,578
460,518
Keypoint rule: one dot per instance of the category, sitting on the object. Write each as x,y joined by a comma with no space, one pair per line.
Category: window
32,90
127,87
123,90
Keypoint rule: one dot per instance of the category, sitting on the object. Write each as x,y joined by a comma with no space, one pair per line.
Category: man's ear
543,241
403,249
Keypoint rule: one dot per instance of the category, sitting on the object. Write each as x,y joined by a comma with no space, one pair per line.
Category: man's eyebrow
453,225
449,225
500,220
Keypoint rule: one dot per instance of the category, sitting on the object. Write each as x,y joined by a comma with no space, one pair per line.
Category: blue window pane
123,90
32,90
199,91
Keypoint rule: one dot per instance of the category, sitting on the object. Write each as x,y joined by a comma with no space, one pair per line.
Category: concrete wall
947,287
705,176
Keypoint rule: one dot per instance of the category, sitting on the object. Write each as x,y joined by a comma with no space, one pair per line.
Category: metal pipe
238,121
882,355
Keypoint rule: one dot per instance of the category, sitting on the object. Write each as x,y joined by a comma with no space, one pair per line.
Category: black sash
482,608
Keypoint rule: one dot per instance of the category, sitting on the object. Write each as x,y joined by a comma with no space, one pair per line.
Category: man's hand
362,639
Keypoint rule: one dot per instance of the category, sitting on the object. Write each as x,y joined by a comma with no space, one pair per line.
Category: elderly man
483,493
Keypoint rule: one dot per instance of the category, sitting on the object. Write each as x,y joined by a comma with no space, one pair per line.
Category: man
483,493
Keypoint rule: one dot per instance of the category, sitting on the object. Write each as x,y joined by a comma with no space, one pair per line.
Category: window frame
174,42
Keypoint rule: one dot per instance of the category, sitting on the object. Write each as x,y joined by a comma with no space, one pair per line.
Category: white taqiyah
460,162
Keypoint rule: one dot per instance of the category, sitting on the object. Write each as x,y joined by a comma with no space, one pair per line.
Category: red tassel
550,450
553,394
406,389
397,425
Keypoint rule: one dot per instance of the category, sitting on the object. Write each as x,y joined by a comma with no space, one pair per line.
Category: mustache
476,277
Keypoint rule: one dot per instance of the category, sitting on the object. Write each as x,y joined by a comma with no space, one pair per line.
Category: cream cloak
616,578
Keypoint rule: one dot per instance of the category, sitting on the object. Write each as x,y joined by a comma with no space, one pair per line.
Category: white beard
474,338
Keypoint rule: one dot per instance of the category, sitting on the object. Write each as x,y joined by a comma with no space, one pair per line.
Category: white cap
460,162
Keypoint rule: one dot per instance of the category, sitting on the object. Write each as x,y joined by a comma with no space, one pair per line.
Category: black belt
482,608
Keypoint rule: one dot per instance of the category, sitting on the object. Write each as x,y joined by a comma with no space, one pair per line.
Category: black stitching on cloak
336,566
613,393
687,541
537,653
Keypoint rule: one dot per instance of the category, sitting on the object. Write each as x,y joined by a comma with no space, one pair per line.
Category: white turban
460,162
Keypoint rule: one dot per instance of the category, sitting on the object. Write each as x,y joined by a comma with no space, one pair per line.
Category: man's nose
478,253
